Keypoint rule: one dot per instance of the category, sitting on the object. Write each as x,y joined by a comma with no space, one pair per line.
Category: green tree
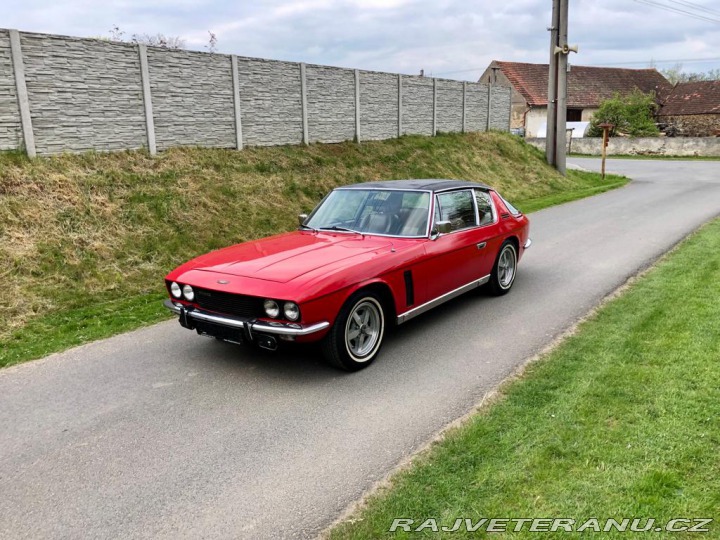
632,114
676,75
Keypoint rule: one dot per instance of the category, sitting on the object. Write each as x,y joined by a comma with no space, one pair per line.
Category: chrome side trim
285,329
404,317
527,244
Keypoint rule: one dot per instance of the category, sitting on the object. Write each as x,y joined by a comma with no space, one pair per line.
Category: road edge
497,393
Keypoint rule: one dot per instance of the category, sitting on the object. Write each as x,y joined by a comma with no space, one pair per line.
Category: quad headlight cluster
275,309
186,291
290,310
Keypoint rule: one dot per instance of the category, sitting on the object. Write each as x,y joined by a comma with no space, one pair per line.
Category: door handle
481,245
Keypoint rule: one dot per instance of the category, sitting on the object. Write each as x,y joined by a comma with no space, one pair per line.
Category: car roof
424,184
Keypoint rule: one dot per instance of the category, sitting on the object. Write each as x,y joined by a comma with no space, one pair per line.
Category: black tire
504,270
355,339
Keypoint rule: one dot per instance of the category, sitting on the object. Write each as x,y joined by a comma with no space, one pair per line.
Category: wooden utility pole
605,139
556,135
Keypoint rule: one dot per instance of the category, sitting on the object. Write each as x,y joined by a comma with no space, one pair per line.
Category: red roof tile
587,86
701,97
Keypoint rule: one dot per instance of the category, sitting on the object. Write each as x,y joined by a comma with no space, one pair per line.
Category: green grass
85,240
621,420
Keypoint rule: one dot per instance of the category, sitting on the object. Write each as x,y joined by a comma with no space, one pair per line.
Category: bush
631,114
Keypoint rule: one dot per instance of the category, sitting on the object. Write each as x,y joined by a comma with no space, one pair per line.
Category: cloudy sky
451,38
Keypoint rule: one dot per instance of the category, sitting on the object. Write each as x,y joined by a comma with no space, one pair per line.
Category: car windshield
373,211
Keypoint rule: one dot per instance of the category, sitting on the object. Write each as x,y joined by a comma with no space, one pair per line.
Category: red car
369,256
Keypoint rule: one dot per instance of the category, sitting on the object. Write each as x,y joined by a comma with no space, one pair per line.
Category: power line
696,7
678,10
632,62
676,61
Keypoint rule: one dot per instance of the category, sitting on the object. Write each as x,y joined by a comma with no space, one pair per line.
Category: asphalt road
162,434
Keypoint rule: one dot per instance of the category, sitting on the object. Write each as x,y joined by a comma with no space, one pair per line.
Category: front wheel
357,335
504,270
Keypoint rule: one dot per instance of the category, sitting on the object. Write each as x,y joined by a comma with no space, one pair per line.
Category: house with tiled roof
693,109
587,88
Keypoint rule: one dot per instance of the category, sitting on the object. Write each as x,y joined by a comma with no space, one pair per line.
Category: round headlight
175,290
292,311
271,308
188,293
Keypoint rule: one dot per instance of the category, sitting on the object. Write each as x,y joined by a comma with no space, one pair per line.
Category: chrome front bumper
248,326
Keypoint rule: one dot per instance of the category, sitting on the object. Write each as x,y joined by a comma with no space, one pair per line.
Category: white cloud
393,35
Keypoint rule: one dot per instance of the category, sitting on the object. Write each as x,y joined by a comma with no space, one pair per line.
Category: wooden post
605,140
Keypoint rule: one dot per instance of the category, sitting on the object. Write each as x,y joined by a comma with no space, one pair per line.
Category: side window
486,209
456,207
511,208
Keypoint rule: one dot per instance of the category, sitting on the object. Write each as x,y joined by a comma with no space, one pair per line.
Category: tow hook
269,343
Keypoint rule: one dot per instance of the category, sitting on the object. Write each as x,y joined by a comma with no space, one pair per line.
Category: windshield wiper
302,226
344,229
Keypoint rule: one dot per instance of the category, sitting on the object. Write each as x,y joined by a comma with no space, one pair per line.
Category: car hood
286,257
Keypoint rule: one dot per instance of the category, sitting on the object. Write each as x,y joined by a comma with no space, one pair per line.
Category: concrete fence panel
10,128
378,105
270,101
500,108
417,106
449,106
84,94
330,104
64,94
192,98
476,113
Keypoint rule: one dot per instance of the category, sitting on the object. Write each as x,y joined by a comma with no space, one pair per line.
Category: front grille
228,303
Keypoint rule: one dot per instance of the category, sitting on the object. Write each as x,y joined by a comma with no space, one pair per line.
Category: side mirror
443,227
440,227
301,219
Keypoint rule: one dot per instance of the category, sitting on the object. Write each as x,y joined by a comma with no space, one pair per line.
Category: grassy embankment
621,420
85,240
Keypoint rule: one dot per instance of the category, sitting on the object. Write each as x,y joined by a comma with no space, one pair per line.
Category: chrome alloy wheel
364,329
506,266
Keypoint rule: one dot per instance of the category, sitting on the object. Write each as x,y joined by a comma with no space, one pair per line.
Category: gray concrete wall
500,103
89,94
477,107
417,106
330,104
270,101
660,146
192,98
84,94
378,105
10,130
449,105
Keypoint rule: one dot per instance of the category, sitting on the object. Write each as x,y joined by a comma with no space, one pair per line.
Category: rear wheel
357,335
504,270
